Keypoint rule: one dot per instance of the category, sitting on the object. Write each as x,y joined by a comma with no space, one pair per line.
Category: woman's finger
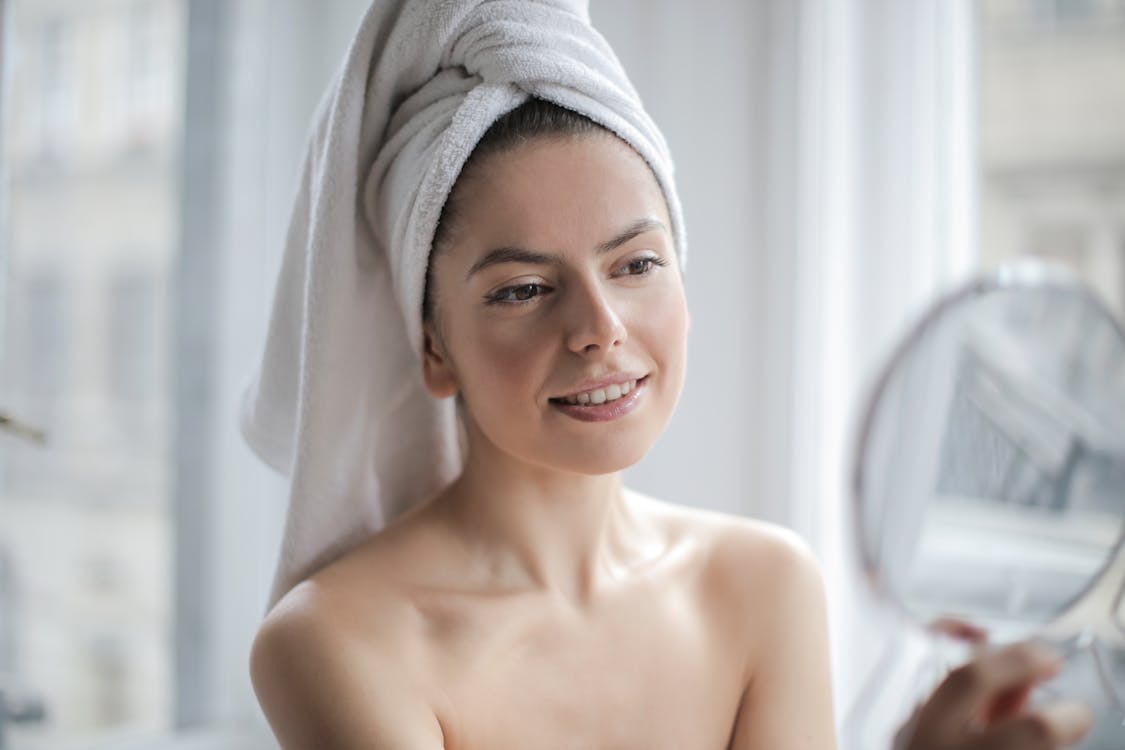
959,629
967,693
1006,705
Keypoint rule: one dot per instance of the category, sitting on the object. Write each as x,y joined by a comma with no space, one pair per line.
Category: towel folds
337,403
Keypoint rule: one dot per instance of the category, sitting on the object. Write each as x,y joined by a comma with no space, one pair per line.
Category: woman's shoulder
362,589
749,572
321,680
731,543
354,604
758,582
322,618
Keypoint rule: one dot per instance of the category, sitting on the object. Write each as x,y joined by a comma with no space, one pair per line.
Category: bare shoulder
753,576
737,548
763,587
326,677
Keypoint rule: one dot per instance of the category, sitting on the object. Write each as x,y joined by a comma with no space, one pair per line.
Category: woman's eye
521,293
642,266
639,267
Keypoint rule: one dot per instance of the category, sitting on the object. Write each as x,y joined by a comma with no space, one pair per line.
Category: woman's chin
592,450
594,462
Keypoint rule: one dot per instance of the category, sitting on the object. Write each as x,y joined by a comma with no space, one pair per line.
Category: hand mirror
989,480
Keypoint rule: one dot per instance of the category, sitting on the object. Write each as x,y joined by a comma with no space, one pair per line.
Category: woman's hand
983,706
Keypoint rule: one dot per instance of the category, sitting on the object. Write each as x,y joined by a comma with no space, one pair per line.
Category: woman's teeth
600,395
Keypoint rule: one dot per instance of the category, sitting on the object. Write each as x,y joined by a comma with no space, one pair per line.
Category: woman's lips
607,411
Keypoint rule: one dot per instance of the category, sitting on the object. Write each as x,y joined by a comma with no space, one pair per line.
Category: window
55,82
137,545
135,324
86,561
1051,103
143,58
41,361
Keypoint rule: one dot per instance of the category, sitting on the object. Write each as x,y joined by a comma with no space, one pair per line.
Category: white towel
338,402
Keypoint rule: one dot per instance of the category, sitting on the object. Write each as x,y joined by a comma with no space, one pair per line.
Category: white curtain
873,121
281,56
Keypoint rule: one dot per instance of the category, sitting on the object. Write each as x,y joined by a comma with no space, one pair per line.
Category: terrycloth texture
338,402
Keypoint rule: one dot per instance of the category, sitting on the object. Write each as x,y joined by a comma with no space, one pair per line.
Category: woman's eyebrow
511,254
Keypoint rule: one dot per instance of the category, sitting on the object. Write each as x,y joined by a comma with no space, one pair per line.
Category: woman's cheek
666,316
508,355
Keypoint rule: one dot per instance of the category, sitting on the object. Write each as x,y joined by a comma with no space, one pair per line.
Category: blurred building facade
1052,136
1051,104
91,135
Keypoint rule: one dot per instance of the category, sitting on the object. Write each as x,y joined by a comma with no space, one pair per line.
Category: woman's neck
560,532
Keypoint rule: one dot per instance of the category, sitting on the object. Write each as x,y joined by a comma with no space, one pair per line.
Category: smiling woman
528,600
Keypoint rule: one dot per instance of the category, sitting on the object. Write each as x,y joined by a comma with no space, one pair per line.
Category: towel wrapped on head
338,403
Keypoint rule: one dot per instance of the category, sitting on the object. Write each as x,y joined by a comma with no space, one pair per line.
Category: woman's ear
437,371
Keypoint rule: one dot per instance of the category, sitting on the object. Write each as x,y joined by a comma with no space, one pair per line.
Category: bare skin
536,603
985,704
660,654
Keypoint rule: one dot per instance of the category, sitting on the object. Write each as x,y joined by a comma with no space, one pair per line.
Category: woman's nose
595,323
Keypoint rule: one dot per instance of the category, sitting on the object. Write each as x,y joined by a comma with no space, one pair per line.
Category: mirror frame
1028,275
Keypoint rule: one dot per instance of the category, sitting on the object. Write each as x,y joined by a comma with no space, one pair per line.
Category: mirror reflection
991,478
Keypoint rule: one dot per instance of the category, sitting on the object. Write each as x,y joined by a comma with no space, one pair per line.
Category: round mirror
990,474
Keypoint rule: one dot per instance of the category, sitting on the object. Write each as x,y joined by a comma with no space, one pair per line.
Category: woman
534,602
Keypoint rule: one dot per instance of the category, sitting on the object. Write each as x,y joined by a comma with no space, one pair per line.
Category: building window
1052,156
134,337
143,57
43,361
56,87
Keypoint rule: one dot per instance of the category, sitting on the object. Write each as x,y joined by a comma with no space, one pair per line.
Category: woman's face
558,290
